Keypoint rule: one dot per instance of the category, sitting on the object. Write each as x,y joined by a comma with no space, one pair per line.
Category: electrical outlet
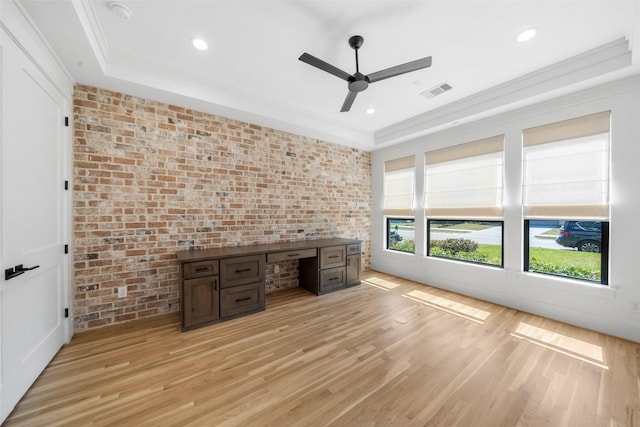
276,269
635,307
122,292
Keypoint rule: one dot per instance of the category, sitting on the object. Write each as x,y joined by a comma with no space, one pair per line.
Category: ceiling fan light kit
358,82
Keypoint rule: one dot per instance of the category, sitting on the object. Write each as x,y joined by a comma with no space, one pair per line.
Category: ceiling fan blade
324,66
348,101
418,64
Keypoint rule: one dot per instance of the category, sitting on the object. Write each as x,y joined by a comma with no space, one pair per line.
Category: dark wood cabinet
335,268
200,294
353,264
223,283
242,285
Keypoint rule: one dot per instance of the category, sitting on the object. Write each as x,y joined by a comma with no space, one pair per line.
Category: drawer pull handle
243,299
293,255
334,256
199,269
334,278
244,270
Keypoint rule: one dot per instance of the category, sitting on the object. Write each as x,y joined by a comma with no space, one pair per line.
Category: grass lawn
561,257
492,252
585,260
463,226
406,226
551,232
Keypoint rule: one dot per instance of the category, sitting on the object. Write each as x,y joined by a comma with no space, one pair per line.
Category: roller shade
566,169
399,178
465,181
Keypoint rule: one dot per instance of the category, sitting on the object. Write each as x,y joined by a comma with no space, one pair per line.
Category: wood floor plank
389,352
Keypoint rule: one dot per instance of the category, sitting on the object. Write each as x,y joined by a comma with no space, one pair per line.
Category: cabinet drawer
241,270
200,268
332,256
332,279
241,299
353,249
285,256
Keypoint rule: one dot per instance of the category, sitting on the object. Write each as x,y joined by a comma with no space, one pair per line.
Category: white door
33,216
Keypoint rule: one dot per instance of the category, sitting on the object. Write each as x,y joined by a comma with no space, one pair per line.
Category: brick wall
151,179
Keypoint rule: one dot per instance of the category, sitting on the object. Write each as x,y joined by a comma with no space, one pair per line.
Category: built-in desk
222,283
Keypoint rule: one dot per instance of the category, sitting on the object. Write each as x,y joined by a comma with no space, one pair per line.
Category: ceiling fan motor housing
359,82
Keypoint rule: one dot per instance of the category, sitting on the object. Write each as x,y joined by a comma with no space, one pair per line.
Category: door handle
19,269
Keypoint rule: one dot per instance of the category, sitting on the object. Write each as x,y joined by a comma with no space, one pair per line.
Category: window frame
388,231
604,255
428,237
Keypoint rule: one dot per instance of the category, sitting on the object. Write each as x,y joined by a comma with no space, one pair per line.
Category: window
399,180
474,241
566,198
463,201
401,235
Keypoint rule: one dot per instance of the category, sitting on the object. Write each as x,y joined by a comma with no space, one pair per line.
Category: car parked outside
586,236
394,236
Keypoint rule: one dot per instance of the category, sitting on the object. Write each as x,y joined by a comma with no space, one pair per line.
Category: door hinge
66,185
66,312
66,249
66,121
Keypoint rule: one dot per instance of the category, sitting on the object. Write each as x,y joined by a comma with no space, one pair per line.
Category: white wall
603,308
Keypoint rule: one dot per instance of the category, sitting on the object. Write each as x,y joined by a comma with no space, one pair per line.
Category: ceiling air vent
435,91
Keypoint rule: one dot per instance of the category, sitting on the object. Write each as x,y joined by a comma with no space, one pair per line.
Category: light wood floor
389,352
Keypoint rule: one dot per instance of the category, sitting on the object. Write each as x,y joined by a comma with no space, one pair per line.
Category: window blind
465,181
566,169
399,177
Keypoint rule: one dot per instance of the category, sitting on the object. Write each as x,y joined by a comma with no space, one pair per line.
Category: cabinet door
353,269
201,301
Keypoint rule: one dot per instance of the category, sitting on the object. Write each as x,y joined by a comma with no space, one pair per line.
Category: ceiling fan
358,81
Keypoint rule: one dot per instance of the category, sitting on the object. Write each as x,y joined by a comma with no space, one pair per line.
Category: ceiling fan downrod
358,82
356,42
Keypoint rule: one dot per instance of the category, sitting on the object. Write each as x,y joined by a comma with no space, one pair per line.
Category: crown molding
208,96
90,23
216,98
18,25
593,63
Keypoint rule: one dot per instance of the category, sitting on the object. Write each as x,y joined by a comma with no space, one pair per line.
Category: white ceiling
251,70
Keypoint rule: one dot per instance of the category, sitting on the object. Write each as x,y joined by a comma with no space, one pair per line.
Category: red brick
230,184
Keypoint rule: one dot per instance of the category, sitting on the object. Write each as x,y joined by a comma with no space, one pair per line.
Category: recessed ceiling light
527,34
121,11
199,44
370,111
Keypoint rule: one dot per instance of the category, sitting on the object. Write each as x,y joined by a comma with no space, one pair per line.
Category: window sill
575,286
458,262
391,251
